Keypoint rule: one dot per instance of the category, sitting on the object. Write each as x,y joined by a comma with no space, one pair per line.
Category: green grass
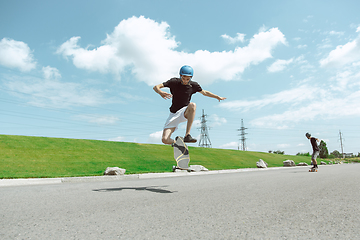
33,157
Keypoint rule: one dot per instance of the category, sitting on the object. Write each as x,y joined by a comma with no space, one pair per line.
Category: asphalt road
287,203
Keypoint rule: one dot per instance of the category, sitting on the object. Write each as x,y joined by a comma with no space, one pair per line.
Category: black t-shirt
314,144
181,93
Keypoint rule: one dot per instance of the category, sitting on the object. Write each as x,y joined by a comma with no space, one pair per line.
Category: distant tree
324,153
336,154
279,152
303,154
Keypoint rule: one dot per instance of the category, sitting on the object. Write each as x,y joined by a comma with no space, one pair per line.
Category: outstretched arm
163,94
210,94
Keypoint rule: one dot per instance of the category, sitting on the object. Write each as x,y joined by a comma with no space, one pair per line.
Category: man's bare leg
166,137
314,162
190,116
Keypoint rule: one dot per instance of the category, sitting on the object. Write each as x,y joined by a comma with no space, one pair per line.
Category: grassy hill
29,157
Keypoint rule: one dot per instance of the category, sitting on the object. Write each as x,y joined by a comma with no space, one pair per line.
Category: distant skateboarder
182,109
316,150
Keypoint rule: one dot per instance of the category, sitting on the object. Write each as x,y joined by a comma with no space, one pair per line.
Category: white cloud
356,64
155,137
231,145
339,97
341,80
240,37
215,120
325,107
279,65
263,28
343,55
117,139
301,46
325,43
48,91
102,59
307,18
283,145
132,97
292,96
51,73
156,59
98,119
51,92
336,33
16,54
196,124
347,80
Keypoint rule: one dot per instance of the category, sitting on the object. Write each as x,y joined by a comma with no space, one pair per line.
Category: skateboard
181,155
313,170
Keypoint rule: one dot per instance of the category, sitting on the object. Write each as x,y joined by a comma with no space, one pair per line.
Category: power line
139,123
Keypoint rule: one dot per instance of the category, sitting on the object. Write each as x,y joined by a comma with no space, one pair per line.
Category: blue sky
85,70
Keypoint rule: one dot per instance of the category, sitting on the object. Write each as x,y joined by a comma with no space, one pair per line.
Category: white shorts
175,119
315,155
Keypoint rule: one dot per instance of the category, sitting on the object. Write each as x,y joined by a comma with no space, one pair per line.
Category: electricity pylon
243,138
204,137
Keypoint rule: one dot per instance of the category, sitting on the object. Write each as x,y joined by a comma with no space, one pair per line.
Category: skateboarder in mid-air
181,110
316,151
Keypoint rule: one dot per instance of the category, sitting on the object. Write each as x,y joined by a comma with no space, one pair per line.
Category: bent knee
167,140
164,140
192,106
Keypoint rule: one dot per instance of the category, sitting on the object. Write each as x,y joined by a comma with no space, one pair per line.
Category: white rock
198,168
289,163
261,164
114,171
302,164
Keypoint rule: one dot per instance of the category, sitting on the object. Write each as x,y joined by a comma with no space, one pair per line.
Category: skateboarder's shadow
155,189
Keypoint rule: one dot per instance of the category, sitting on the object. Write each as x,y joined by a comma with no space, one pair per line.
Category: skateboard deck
181,154
313,170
